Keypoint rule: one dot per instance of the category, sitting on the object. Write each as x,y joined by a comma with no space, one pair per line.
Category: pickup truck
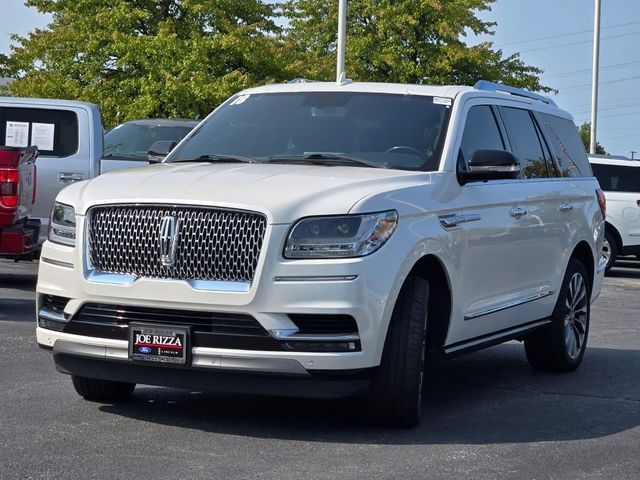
18,232
68,135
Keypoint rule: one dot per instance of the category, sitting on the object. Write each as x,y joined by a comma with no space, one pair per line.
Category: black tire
550,348
102,390
395,395
610,243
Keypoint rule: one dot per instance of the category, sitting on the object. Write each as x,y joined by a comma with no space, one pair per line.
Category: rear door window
525,141
617,178
566,144
54,132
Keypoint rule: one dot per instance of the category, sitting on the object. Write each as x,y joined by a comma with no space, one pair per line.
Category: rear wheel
102,390
560,345
395,396
609,250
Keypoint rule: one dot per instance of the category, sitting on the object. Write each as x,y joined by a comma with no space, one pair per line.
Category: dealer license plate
158,343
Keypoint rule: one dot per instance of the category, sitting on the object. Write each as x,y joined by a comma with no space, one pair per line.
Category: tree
406,41
146,58
585,135
182,58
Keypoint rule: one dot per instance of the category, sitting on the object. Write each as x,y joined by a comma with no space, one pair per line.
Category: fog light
51,324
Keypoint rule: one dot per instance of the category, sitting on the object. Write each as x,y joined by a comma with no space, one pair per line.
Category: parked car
323,239
18,232
619,177
126,145
68,135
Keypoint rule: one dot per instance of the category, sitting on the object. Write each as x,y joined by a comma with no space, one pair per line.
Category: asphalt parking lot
486,415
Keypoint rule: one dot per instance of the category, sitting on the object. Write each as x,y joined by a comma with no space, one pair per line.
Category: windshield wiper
321,158
219,157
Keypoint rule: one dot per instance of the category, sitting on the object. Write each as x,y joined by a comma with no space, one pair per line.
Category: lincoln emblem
168,240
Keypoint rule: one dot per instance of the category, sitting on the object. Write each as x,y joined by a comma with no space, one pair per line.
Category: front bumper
362,288
300,385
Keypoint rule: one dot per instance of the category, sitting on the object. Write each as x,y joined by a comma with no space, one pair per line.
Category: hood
283,192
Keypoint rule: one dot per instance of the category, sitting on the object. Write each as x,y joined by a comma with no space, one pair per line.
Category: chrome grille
212,244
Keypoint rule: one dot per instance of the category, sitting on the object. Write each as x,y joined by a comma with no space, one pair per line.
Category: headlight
341,236
62,225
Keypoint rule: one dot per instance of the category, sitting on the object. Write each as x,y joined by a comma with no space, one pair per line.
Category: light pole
342,36
594,77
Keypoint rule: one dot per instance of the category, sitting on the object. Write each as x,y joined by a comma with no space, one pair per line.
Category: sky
554,35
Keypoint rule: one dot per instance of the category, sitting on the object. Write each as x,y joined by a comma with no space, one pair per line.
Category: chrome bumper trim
57,263
294,336
52,315
201,358
205,285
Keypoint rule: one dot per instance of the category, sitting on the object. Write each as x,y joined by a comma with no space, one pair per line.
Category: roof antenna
342,34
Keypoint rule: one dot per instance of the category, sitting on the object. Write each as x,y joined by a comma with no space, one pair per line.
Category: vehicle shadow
24,282
487,397
17,290
16,310
625,268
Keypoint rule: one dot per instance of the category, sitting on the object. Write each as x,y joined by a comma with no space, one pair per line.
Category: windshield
396,131
134,140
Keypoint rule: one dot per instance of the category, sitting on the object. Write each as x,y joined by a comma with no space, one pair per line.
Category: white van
619,177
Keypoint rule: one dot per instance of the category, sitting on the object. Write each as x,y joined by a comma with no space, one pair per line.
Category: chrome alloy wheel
575,320
606,251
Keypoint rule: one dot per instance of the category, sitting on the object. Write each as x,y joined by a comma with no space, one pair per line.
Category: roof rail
301,80
520,92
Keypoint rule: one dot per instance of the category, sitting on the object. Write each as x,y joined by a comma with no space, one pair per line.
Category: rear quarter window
617,178
567,147
54,132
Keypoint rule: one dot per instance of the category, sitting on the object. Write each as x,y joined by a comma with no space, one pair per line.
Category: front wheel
395,396
560,345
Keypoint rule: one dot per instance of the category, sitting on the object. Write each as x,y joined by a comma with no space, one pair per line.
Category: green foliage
146,58
182,58
405,41
585,134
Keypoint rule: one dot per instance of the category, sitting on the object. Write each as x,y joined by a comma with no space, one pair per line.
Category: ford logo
144,350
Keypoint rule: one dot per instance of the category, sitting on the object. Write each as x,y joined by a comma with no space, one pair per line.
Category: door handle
70,177
566,207
518,212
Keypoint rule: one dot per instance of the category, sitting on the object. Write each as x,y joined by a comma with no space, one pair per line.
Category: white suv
321,239
619,177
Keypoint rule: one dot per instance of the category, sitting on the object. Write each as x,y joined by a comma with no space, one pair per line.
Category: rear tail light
9,181
602,201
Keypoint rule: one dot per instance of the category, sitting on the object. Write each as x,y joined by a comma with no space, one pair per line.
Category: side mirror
490,165
159,150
